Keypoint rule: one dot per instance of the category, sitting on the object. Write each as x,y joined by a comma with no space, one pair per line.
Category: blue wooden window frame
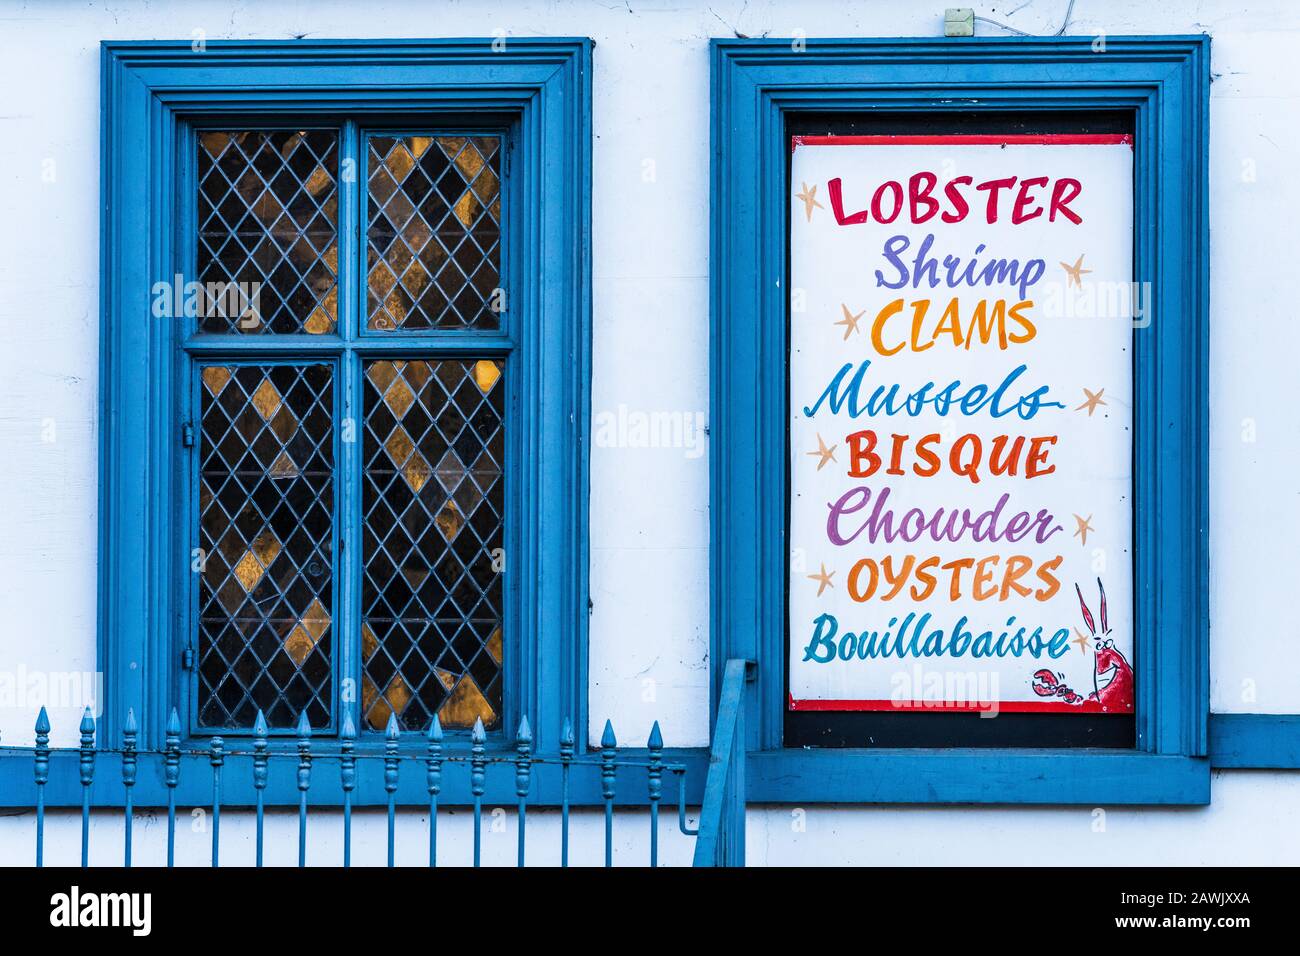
1165,82
153,93
352,337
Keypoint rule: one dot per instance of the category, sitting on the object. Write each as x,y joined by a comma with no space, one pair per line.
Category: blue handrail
721,840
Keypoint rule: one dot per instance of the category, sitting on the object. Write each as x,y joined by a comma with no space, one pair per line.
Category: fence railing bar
42,777
172,776
734,816
433,781
608,755
523,775
304,783
566,760
217,759
654,774
347,780
87,778
477,784
716,844
320,751
260,773
129,732
392,737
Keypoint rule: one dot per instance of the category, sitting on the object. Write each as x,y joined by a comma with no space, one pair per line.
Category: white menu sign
960,432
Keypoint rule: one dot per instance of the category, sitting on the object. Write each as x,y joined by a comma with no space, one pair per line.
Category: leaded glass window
350,508
268,214
433,232
433,506
266,506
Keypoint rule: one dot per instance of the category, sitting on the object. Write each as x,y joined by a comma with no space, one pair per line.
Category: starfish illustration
822,452
1094,399
809,199
1082,640
850,321
1085,525
823,580
1074,274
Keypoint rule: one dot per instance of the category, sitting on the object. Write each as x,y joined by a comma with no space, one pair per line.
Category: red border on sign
1003,706
969,139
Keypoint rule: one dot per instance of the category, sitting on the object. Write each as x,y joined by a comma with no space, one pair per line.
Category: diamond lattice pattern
434,232
268,223
433,503
266,498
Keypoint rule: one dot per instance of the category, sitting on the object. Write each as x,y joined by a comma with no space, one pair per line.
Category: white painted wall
649,570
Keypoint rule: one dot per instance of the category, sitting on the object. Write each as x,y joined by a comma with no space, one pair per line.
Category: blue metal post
304,782
566,758
218,757
348,777
655,775
523,777
172,776
608,753
129,732
433,779
260,769
42,777
477,778
87,778
391,736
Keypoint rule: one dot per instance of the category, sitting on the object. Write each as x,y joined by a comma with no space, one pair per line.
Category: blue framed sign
807,142
942,514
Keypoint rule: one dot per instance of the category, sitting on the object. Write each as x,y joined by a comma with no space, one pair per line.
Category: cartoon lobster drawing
1112,677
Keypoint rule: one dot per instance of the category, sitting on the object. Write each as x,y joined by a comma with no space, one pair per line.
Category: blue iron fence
720,835
435,760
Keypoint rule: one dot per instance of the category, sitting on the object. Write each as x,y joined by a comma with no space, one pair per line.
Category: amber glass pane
266,498
268,223
434,232
433,501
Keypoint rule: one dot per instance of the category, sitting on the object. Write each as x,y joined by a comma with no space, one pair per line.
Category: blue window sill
1087,777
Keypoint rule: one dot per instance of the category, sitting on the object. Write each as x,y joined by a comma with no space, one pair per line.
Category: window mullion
348,551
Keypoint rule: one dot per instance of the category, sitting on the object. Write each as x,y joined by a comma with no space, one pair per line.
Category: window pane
268,222
433,502
434,232
266,499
